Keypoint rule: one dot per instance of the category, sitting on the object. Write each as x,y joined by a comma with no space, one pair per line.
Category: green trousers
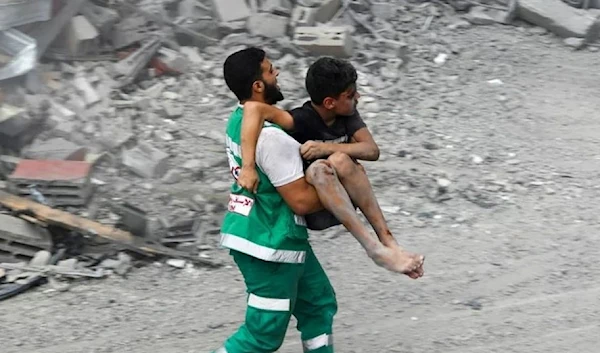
276,291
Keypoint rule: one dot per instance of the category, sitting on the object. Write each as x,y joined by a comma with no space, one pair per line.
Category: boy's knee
342,163
319,172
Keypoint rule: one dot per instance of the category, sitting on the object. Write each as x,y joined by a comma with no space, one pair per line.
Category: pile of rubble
111,112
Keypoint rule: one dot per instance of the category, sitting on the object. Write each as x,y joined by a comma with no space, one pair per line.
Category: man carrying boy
328,127
266,232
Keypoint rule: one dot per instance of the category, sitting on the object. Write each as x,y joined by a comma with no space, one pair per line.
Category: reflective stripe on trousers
312,344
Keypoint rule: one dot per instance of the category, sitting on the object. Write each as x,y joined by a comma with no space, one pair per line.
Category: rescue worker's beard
272,94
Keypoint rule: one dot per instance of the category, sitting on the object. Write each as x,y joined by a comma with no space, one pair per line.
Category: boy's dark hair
329,77
241,69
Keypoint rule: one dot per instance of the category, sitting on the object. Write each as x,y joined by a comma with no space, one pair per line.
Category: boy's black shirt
308,125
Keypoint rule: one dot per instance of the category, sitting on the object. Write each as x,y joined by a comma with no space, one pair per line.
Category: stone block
21,240
56,148
87,91
231,10
559,18
146,161
277,7
327,10
267,25
303,16
102,18
330,41
81,36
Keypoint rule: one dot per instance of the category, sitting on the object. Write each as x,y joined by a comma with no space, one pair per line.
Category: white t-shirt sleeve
278,156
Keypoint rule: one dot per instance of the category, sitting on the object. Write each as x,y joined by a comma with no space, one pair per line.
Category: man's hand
312,150
394,258
248,179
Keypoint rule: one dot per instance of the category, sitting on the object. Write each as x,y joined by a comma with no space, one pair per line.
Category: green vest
261,225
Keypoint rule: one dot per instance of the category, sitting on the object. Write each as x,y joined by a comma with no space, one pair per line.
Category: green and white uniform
269,243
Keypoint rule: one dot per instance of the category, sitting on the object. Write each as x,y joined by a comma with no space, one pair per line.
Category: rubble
146,161
56,148
559,18
81,36
60,182
22,12
332,41
20,240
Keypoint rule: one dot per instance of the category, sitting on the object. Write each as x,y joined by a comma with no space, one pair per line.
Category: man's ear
258,86
329,103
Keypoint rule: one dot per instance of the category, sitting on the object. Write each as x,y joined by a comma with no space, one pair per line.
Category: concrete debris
46,32
560,18
330,41
277,7
303,16
132,219
65,220
128,69
102,18
231,10
267,25
88,93
56,148
22,12
21,50
80,36
60,182
146,161
20,240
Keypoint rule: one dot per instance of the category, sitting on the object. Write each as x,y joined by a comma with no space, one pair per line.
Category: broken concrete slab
88,227
80,36
303,16
21,240
133,219
102,18
18,13
332,41
277,7
146,161
267,25
64,183
478,16
327,10
87,91
231,10
559,18
56,148
127,70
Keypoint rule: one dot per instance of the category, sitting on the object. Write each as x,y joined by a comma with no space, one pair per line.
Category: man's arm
255,114
278,157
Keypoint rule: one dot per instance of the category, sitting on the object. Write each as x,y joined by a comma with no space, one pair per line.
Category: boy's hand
311,150
248,179
394,258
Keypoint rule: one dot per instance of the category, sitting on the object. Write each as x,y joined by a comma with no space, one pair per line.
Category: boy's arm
255,114
362,146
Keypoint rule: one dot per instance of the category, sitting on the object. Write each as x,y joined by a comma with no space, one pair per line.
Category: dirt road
512,255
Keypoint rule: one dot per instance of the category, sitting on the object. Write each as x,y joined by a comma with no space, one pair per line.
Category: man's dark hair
329,77
241,69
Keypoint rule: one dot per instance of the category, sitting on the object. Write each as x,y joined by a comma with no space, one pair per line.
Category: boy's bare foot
395,259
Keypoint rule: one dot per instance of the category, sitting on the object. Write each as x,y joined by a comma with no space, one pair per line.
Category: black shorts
323,219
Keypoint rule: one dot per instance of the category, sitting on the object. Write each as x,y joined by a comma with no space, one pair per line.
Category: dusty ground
511,256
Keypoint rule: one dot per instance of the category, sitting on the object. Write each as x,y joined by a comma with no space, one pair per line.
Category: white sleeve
278,156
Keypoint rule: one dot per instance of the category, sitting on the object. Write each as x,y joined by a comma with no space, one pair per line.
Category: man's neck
254,99
327,116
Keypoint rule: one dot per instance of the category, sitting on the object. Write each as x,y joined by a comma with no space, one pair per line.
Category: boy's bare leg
356,182
335,198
